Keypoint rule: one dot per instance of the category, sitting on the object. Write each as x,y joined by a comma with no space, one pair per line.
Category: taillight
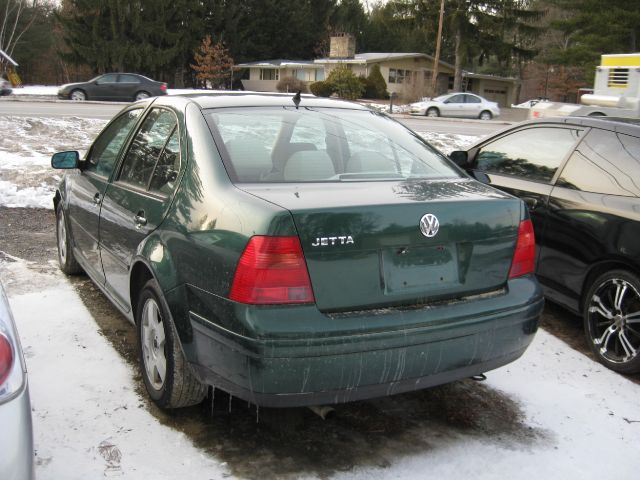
525,255
272,270
6,358
163,87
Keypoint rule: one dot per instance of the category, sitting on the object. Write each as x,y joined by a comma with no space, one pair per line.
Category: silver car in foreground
457,105
16,432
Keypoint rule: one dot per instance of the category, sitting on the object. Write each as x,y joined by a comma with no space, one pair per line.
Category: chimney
343,45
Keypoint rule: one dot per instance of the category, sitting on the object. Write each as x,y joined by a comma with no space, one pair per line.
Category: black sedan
113,86
581,180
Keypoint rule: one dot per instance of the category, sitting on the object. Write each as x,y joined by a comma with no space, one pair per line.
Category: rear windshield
283,144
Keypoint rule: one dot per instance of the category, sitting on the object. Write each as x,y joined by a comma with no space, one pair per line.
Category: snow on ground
27,143
89,422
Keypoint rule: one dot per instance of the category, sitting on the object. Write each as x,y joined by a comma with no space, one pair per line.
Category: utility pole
436,61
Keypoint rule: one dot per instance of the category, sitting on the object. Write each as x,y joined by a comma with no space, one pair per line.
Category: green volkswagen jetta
295,251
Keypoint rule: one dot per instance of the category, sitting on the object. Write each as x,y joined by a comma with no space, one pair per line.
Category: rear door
88,188
593,212
139,197
472,106
127,86
525,163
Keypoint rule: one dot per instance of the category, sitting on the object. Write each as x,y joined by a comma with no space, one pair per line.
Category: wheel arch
152,261
599,269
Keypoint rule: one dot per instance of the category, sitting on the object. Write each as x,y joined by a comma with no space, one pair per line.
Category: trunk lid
364,247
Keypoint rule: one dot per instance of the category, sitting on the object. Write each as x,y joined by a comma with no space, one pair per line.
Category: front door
88,187
137,201
524,163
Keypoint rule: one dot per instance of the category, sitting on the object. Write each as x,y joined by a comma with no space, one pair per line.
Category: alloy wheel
153,344
613,320
78,96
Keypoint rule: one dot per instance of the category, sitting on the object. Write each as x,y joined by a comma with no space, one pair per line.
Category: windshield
321,145
441,98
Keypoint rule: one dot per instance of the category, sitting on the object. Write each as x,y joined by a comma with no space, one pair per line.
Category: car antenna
296,99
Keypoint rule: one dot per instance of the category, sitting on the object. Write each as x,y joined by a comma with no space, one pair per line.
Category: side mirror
65,160
460,158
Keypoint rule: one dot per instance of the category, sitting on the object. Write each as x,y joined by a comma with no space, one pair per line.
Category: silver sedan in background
457,105
16,432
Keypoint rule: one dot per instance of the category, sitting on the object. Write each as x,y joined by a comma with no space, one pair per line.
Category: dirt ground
279,443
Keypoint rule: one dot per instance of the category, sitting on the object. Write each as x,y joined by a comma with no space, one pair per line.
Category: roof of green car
246,99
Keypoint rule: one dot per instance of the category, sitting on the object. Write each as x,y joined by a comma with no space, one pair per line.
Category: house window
319,75
309,75
269,74
397,75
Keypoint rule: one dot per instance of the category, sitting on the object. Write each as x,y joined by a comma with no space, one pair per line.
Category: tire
167,375
485,115
611,312
77,96
66,258
432,112
141,95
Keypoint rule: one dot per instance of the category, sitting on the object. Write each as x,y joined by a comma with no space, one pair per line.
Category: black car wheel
166,373
142,95
66,259
612,320
77,96
432,112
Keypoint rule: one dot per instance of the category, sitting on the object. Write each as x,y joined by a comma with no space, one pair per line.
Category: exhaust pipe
323,411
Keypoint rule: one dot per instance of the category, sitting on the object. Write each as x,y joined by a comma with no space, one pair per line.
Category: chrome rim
432,112
485,116
77,96
153,343
614,320
142,96
62,238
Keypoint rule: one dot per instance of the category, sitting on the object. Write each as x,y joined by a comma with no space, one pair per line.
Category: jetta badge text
338,240
429,225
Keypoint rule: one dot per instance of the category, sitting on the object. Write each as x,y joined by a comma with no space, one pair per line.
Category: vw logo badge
429,225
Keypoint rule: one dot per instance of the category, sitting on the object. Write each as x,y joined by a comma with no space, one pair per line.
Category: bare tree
12,25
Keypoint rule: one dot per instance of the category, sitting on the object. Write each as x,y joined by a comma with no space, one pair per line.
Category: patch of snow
88,420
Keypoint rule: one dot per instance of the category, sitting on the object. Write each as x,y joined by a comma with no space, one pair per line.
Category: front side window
108,78
532,154
456,99
606,163
103,154
322,145
146,148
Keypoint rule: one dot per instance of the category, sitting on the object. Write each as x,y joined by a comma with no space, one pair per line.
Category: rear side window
606,163
321,145
532,154
147,147
104,152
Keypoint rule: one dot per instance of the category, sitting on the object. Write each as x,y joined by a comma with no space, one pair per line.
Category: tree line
61,41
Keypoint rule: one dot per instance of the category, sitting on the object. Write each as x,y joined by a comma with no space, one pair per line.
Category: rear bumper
364,354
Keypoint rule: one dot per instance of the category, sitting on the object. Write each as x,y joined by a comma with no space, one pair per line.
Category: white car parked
457,105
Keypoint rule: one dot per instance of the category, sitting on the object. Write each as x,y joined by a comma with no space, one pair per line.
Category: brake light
525,255
163,87
6,358
272,270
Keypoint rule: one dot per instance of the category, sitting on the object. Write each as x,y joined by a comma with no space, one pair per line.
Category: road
106,110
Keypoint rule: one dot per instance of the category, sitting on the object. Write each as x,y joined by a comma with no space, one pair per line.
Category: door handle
140,219
96,199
